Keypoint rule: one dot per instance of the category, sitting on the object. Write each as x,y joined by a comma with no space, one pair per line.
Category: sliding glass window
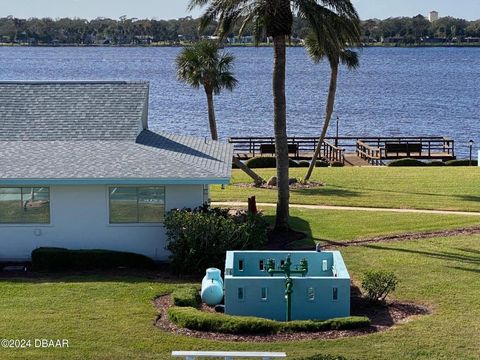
137,205
24,205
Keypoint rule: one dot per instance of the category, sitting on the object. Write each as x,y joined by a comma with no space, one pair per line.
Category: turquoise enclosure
323,293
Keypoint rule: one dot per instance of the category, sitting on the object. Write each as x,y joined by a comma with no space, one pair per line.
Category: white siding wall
80,220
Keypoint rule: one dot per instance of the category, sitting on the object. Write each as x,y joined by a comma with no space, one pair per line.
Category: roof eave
115,181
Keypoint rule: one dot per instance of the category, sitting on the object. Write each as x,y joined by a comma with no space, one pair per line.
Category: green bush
435,163
194,319
378,284
321,163
407,162
58,259
186,297
461,163
338,164
304,163
266,162
199,239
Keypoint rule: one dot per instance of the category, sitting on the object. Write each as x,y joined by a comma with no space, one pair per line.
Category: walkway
354,208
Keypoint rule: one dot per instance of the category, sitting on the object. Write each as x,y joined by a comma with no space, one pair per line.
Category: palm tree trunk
256,178
280,126
211,115
328,116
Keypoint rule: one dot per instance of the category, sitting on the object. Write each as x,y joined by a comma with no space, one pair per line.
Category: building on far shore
433,16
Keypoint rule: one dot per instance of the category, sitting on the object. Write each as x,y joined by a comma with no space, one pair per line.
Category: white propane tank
212,287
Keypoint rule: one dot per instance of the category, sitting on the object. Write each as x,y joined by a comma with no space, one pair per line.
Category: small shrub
322,163
186,297
407,162
435,163
194,319
59,259
304,163
199,239
338,164
461,163
379,284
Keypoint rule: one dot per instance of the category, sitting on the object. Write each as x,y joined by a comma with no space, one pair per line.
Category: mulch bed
382,317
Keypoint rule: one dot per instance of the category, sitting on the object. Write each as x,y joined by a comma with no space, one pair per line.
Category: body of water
395,92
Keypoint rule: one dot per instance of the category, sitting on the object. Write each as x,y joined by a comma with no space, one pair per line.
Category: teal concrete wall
323,293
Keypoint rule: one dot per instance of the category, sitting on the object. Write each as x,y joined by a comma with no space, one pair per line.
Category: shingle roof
38,149
73,110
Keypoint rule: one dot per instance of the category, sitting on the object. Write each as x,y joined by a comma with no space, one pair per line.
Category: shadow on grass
327,191
472,198
472,257
297,224
128,276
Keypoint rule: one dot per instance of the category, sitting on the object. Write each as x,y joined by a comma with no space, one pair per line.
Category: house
80,169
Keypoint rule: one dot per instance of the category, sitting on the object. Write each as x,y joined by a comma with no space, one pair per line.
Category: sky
172,9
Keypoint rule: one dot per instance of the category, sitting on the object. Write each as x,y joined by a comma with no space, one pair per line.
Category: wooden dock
352,151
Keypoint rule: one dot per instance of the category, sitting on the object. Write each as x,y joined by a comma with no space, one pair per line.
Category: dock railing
370,148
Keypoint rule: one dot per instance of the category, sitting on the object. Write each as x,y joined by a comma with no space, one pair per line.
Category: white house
79,169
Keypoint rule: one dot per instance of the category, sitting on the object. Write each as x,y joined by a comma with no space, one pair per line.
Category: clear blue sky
168,9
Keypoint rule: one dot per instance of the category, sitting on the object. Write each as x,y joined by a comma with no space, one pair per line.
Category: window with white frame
24,205
137,204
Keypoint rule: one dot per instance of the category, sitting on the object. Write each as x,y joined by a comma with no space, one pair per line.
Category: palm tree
319,46
275,19
201,65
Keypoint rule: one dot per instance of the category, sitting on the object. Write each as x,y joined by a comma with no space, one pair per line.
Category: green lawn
445,188
340,225
106,317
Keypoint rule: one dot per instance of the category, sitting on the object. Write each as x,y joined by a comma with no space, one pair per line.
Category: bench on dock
270,149
228,355
395,149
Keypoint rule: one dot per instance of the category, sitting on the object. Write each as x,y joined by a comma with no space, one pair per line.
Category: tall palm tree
336,50
201,65
274,18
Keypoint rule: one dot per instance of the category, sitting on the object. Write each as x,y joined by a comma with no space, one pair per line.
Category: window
264,294
311,294
335,294
25,205
130,205
241,294
240,265
261,265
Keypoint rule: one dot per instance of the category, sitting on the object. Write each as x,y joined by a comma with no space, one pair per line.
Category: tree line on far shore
127,31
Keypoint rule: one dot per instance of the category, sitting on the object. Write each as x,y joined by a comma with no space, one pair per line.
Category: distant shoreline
248,45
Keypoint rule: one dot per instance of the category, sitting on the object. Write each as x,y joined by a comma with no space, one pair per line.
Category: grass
344,226
107,317
442,188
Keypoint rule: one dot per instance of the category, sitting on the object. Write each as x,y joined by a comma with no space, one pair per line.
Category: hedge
435,163
266,162
186,297
193,319
321,163
461,163
59,259
304,163
338,164
407,162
